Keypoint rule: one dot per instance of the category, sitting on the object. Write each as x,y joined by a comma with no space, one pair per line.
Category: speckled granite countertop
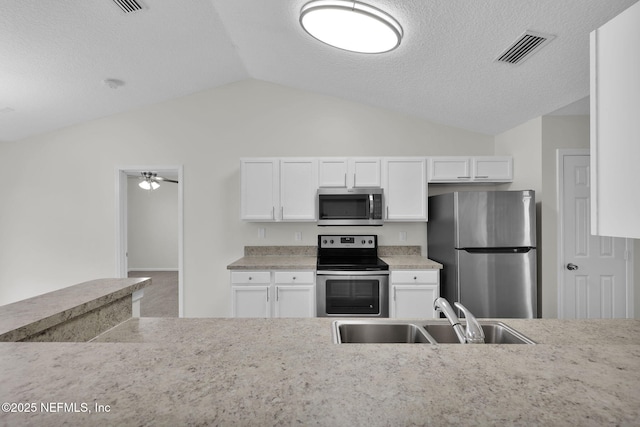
304,258
287,372
30,316
410,262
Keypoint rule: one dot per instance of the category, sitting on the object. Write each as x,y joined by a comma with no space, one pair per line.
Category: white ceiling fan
151,180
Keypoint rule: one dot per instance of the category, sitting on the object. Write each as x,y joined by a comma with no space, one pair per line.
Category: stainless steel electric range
351,280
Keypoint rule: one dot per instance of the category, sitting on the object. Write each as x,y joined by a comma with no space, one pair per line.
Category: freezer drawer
498,284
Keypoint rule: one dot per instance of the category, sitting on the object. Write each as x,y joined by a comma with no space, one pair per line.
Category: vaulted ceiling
56,55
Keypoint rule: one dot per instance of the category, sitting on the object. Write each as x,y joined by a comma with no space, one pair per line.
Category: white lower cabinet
413,293
273,294
294,301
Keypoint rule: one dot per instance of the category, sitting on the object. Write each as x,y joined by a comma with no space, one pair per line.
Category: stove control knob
324,241
364,241
370,242
331,241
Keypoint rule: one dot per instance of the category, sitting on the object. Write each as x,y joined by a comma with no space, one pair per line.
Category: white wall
152,227
59,231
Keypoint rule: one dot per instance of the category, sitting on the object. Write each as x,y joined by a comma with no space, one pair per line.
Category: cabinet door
615,128
298,185
250,301
259,192
295,301
405,189
364,172
332,172
413,301
449,169
494,169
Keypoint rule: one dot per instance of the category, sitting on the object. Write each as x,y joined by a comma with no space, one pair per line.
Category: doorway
123,246
595,273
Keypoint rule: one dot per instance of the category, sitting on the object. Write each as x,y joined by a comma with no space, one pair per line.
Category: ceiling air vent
128,6
526,45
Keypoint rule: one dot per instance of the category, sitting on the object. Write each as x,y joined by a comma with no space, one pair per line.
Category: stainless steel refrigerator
486,241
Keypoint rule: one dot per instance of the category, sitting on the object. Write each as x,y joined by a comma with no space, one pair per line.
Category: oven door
352,294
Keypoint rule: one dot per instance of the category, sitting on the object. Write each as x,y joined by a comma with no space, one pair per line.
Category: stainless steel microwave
354,206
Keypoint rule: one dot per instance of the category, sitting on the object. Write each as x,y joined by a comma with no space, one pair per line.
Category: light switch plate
403,236
262,233
298,236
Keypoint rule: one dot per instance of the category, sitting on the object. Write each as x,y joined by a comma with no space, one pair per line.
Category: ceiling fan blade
159,178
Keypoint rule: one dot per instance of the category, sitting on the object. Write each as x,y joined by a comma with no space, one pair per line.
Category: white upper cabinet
492,168
259,193
332,172
278,189
615,126
449,169
457,169
365,172
405,188
349,172
298,185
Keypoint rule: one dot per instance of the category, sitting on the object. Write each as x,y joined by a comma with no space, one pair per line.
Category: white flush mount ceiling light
351,26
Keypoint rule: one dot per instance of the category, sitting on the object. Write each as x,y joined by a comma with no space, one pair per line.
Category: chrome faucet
473,334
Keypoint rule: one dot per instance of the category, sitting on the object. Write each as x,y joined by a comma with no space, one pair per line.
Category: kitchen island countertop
287,371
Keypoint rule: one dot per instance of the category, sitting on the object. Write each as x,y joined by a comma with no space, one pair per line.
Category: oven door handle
352,273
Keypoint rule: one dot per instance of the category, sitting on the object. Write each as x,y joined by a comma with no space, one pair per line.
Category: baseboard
152,269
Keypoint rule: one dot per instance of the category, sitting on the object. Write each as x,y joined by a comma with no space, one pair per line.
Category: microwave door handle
371,206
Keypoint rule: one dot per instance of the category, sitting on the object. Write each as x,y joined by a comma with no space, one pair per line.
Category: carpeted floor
161,298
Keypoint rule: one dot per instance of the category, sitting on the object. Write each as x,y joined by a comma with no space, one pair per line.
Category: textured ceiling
54,56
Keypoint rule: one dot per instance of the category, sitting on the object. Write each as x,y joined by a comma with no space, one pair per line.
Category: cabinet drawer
294,277
415,276
250,277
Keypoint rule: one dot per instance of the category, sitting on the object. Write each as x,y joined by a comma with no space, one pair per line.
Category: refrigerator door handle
519,250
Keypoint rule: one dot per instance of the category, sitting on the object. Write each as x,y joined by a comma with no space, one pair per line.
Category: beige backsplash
312,250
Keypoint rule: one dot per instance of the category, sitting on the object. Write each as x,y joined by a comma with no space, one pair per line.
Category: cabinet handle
281,212
464,177
354,180
387,211
277,294
294,277
267,294
250,277
482,176
345,179
394,293
273,212
415,277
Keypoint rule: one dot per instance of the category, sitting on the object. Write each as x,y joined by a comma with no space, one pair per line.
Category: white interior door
593,280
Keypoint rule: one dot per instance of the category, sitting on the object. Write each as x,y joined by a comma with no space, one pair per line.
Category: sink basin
431,332
356,331
494,333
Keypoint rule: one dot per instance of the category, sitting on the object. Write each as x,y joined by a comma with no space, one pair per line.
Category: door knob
572,267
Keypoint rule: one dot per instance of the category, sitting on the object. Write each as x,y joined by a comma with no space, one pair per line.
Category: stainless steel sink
380,332
431,332
494,333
